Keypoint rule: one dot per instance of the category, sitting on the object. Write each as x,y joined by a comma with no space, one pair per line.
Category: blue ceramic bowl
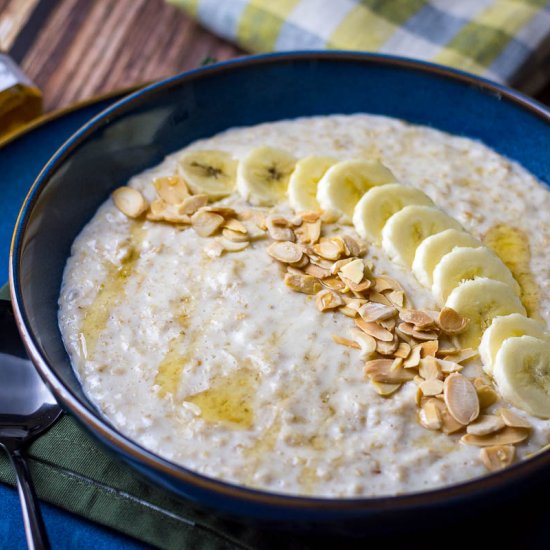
139,131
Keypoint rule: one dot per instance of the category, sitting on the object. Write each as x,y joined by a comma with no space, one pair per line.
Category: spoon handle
35,531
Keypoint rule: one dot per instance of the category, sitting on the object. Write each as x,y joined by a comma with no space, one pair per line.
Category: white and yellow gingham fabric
507,41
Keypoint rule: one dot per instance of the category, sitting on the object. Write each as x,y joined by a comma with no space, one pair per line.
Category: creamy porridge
231,339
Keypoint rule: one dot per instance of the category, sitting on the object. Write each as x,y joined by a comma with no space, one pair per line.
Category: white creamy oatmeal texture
228,332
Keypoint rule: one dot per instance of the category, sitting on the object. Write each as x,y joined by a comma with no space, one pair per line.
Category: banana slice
209,172
522,373
378,204
262,177
406,229
432,249
302,187
464,263
345,183
502,328
481,300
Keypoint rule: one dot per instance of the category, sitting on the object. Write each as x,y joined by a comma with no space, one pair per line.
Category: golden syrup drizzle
512,246
109,294
230,400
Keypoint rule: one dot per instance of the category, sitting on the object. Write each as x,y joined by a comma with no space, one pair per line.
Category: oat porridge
333,306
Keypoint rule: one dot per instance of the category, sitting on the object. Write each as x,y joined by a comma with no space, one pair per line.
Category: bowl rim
96,424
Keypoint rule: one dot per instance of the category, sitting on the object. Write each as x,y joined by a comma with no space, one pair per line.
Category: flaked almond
459,355
429,369
302,263
357,288
371,311
224,211
309,232
191,204
429,348
403,350
253,217
396,297
450,322
420,319
384,282
334,283
352,247
485,393
348,312
206,223
374,330
384,390
485,424
161,211
328,299
448,424
329,248
430,416
388,324
382,370
423,334
413,360
448,367
234,225
339,264
302,283
171,189
375,296
316,271
285,251
354,303
252,230
461,398
366,342
234,236
387,348
345,342
310,216
230,246
213,248
431,387
497,457
277,231
513,420
129,201
506,436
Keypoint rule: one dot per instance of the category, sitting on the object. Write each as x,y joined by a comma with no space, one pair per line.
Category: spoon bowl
27,409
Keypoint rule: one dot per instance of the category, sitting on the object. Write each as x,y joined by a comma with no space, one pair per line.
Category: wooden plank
13,16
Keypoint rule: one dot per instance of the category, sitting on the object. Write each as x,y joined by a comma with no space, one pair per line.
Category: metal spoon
27,409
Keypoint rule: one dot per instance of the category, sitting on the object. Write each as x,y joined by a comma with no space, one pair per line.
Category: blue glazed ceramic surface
139,131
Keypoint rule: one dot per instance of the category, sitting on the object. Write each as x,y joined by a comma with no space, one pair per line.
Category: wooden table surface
75,49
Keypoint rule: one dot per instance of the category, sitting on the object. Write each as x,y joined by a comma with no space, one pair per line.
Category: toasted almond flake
450,322
424,334
448,367
403,350
339,264
430,416
348,312
448,424
513,420
371,311
191,204
388,324
328,299
432,387
316,271
352,247
487,396
418,380
309,232
235,225
506,436
354,303
234,236
429,348
302,283
429,369
374,330
357,288
213,248
302,263
405,329
310,216
329,248
334,283
461,398
224,211
379,298
285,251
485,424
387,348
252,230
171,189
462,355
497,457
129,201
206,223
366,342
385,390
413,360
161,211
385,282
230,246
345,342
420,319
397,298
380,370
277,231
253,217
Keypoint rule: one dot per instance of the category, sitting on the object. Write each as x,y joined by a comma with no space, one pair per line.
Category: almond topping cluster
399,344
